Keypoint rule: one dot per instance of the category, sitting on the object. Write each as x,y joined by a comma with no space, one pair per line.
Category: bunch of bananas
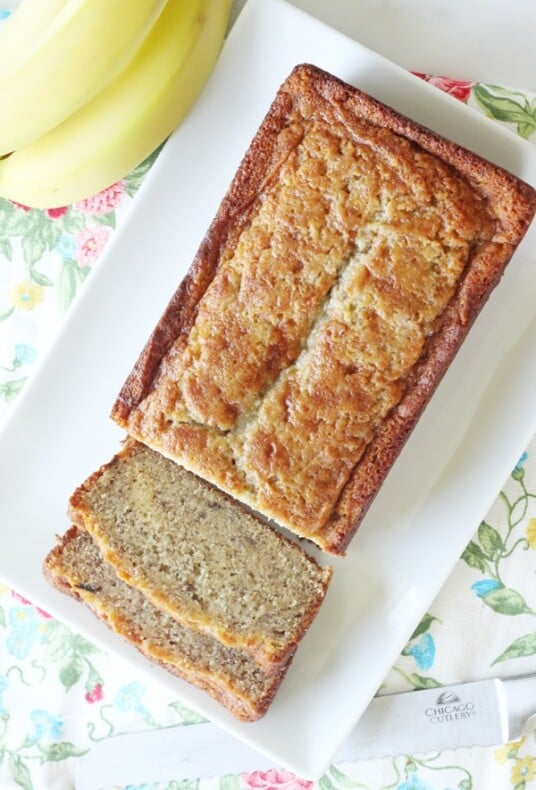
89,88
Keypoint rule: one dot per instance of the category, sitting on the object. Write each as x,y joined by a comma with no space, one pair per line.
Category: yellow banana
23,29
82,48
126,121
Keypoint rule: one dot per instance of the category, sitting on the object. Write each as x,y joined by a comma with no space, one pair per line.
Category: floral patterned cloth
59,694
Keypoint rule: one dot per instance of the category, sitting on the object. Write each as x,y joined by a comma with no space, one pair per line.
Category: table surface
58,693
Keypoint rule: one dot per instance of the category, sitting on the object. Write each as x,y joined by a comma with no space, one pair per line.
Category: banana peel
126,120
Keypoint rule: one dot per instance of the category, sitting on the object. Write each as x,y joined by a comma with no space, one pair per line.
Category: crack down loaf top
342,272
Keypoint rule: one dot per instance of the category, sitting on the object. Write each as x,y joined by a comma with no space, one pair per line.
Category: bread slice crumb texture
231,676
199,556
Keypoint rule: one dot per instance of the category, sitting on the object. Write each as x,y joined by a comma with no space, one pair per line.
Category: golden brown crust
239,410
262,158
219,685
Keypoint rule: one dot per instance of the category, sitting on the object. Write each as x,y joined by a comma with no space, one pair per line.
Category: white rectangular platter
479,422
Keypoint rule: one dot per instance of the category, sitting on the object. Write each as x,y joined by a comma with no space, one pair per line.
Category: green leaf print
12,222
7,313
47,230
188,716
229,782
422,682
69,652
33,248
83,647
38,234
7,210
10,389
474,557
325,783
39,278
61,751
134,179
504,108
490,540
6,248
521,648
506,601
56,641
73,222
19,772
93,678
71,672
343,780
106,219
423,626
526,129
2,618
518,473
66,284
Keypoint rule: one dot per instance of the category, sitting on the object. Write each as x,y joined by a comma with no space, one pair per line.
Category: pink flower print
95,694
273,780
460,89
90,242
103,202
56,213
21,206
26,602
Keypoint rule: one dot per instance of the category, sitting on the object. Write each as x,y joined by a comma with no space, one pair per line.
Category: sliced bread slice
200,556
76,567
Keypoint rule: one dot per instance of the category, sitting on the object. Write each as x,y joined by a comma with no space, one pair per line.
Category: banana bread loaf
199,556
340,276
76,567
